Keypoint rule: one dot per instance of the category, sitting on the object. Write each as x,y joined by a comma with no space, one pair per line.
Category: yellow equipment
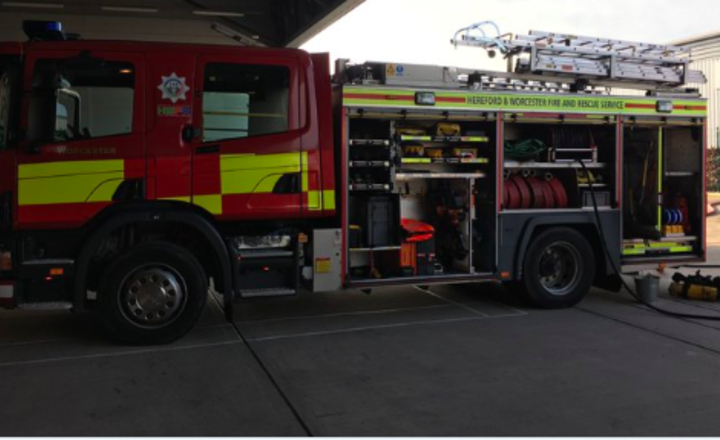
435,153
448,129
413,150
694,291
410,131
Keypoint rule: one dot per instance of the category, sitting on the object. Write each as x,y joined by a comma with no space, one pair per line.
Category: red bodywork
155,152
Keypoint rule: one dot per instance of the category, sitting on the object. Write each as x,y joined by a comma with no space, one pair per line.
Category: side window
8,75
73,100
4,109
242,100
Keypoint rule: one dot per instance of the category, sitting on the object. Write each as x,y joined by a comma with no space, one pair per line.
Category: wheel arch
147,213
535,226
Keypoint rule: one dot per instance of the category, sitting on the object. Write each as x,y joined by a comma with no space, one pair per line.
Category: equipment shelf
556,210
594,185
369,164
445,139
369,142
377,249
552,165
680,174
452,161
413,176
370,187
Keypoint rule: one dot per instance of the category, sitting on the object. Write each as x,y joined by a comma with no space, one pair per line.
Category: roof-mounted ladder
593,61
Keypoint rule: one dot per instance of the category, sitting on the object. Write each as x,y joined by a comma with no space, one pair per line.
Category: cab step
50,262
267,272
266,293
46,306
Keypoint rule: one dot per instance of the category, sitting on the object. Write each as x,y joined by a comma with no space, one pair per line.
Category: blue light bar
51,26
43,30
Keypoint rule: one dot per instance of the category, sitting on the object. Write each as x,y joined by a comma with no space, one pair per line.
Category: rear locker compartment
663,213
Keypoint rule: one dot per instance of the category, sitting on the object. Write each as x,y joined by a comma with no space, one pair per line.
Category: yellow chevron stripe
252,174
53,169
211,203
53,183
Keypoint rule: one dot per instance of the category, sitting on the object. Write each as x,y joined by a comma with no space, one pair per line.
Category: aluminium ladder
598,61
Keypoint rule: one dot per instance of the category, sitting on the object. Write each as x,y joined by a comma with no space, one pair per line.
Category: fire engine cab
135,176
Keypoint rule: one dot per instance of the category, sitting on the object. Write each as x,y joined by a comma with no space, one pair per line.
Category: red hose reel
530,192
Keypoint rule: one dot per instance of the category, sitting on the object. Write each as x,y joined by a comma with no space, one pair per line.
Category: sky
419,31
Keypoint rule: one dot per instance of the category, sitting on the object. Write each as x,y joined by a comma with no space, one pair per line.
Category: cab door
9,94
247,157
83,150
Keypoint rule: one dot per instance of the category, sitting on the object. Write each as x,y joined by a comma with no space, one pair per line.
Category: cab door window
243,100
74,101
4,110
8,75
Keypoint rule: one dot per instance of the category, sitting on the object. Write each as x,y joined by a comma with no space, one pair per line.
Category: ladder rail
670,48
651,66
579,50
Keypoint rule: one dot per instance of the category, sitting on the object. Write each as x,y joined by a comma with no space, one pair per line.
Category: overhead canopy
279,23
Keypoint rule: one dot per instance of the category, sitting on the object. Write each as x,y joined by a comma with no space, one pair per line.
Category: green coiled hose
525,149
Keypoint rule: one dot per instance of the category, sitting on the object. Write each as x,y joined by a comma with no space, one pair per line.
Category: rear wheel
558,269
153,294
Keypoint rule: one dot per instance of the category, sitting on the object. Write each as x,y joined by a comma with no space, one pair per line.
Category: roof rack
590,61
427,76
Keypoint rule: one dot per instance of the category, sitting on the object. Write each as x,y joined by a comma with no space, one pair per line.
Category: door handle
189,133
33,148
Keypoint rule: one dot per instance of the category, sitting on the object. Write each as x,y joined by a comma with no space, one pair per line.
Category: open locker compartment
424,224
662,187
445,207
473,174
542,169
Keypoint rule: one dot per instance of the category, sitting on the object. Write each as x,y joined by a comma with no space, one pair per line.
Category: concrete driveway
464,360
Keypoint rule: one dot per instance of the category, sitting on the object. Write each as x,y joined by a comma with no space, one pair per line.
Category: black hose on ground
598,224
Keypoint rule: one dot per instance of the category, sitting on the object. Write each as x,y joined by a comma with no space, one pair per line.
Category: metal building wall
711,91
705,55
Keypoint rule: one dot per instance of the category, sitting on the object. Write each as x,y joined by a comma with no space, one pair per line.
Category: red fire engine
135,175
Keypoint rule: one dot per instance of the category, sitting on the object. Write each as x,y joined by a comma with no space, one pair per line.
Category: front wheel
558,269
152,294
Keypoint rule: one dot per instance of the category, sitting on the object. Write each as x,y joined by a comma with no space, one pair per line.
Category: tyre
558,269
152,294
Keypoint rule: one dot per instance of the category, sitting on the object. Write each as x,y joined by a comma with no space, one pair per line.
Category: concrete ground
464,360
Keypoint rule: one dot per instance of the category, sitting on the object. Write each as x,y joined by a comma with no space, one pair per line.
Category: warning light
505,275
266,269
43,30
425,98
57,271
5,261
664,106
126,71
48,278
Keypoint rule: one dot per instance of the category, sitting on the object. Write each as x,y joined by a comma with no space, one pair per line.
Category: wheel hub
559,268
152,296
